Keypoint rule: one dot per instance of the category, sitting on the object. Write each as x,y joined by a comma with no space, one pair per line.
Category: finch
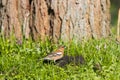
56,55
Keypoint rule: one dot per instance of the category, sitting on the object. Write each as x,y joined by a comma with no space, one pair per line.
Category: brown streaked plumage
56,55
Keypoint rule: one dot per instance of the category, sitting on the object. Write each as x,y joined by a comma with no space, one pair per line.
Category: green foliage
114,7
25,61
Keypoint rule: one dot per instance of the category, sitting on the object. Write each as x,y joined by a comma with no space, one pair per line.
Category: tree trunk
56,19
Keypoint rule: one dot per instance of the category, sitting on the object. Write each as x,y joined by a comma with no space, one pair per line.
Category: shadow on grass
76,60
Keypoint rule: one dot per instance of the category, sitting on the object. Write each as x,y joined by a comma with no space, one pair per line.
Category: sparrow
56,55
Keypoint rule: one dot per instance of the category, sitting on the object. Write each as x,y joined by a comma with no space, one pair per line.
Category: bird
55,55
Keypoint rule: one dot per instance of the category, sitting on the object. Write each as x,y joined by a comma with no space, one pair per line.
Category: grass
24,61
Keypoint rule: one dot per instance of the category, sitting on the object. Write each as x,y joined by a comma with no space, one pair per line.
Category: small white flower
97,47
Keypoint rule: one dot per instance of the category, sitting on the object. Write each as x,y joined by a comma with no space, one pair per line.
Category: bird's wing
53,55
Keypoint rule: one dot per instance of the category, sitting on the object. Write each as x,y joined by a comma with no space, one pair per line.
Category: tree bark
56,19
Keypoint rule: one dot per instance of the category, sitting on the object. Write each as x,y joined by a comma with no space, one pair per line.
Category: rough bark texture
56,19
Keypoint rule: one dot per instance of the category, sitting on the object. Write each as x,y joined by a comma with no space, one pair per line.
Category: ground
101,60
